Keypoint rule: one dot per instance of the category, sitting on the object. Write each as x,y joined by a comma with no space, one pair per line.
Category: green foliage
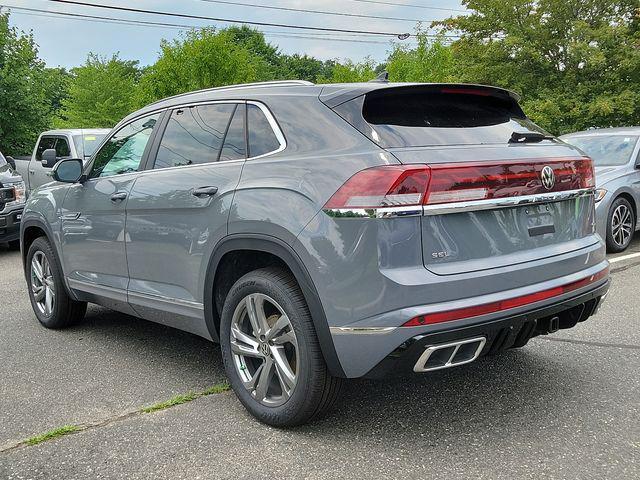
576,63
186,397
303,67
51,434
100,93
350,72
201,59
430,61
24,110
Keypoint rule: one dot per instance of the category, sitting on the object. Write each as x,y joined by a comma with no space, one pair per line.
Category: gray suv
324,232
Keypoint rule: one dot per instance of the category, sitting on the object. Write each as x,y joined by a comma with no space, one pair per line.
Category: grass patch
185,398
51,434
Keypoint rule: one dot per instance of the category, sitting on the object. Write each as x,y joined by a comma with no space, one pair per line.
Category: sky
66,41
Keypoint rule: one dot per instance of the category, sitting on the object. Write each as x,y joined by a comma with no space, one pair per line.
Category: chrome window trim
274,127
458,207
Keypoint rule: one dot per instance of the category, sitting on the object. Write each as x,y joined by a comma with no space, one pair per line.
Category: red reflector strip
507,304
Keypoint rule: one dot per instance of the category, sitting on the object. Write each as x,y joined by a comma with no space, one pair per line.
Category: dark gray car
616,156
324,232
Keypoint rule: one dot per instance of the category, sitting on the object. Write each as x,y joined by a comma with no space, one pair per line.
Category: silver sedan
616,154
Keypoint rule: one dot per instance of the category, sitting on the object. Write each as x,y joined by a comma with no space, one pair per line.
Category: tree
304,67
430,61
576,63
100,93
23,102
200,59
349,72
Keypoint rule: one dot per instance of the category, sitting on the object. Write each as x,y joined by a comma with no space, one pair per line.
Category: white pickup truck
54,145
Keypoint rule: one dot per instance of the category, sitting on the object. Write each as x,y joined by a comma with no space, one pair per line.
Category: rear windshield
606,149
426,116
86,144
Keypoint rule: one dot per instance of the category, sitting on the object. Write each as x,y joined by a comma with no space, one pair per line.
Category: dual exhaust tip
446,355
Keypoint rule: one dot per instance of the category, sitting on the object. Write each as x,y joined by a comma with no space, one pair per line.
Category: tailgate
500,212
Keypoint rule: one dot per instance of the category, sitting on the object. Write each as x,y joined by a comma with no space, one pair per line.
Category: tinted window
194,135
87,144
606,149
234,147
262,139
62,148
45,144
124,150
423,116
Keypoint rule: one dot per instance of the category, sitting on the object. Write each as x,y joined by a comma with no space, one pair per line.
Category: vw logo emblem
548,177
264,349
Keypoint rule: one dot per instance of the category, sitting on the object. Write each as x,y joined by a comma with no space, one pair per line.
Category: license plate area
540,220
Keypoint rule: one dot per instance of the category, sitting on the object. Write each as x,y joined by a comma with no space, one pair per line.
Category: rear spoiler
334,95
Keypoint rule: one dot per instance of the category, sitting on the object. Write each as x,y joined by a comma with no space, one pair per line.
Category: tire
621,225
62,311
275,292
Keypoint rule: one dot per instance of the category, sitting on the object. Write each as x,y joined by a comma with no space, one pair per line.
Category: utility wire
122,21
318,12
401,36
411,5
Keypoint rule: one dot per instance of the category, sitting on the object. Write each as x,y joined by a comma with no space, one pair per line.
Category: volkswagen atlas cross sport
324,232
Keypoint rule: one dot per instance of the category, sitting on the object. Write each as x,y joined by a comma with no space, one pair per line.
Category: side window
262,139
124,150
45,144
194,135
235,147
62,148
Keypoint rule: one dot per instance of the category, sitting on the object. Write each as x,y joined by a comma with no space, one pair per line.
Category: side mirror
67,171
49,158
11,162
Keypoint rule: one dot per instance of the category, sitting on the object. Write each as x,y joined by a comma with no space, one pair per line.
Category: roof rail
274,83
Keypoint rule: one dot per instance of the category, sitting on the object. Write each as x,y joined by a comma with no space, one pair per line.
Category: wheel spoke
281,324
36,268
264,379
38,293
286,337
257,317
48,301
285,375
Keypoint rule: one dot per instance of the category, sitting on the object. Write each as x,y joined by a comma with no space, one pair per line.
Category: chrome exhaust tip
446,355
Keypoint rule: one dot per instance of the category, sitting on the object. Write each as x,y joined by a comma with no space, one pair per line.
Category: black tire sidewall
290,412
611,244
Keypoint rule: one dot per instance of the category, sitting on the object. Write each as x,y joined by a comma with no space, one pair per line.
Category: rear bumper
10,225
500,334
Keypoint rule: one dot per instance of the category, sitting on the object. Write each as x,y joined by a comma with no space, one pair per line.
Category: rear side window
262,138
194,135
45,144
426,116
86,144
235,142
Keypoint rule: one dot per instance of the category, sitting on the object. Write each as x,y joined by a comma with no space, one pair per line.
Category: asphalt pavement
565,406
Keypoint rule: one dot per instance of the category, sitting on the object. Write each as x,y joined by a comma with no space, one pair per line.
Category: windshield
86,144
606,149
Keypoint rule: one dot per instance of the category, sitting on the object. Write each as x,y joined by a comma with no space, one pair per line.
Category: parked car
616,156
53,146
12,200
324,232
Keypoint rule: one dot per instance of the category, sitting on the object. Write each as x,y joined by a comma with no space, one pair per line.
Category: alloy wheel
264,349
42,284
622,225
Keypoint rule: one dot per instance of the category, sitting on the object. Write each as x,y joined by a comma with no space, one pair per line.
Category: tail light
407,185
494,307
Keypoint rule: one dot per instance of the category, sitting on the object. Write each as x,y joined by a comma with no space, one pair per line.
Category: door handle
205,192
118,197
